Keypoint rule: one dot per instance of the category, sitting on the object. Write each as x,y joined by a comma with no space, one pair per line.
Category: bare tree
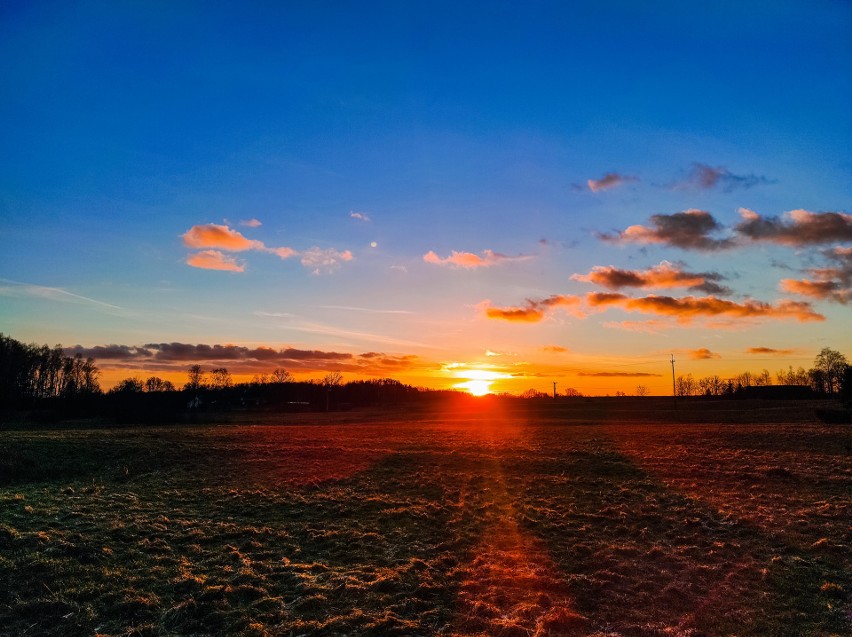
641,390
155,383
282,376
196,378
221,378
831,366
333,379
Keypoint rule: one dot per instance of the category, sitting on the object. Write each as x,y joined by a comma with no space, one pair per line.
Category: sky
514,193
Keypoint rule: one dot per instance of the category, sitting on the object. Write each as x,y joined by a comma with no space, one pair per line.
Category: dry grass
480,524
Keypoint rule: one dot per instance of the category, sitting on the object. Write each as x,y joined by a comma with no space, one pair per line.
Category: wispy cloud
796,228
214,260
532,311
706,177
664,275
251,223
618,374
554,349
470,260
691,230
368,310
324,259
360,216
609,181
19,289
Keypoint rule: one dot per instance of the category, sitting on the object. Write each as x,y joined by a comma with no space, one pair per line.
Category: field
485,521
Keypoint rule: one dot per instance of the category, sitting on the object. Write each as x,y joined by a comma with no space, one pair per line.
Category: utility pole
674,390
554,390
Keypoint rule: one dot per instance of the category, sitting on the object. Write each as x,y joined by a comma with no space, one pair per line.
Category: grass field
486,522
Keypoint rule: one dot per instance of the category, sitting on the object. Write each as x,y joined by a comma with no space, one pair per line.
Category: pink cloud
470,260
214,260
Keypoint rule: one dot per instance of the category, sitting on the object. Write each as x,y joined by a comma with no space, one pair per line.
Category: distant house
778,392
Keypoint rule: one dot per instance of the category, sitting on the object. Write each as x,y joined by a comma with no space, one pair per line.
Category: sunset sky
436,192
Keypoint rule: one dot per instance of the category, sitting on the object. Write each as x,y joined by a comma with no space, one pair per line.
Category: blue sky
448,127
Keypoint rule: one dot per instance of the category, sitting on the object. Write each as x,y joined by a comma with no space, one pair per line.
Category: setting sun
476,387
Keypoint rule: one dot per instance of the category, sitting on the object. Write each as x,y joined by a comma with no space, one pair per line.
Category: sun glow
476,387
476,381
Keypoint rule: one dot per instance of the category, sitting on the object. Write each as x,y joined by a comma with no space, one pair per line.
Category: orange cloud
664,275
684,309
470,260
251,223
213,235
214,260
770,350
826,290
690,229
532,311
831,283
555,349
217,237
703,354
797,228
609,180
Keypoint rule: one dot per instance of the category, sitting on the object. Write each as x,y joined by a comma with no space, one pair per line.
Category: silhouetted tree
831,366
221,378
641,390
332,379
196,378
155,383
130,385
282,376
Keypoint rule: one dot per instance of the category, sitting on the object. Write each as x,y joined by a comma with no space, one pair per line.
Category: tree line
37,375
31,372
830,375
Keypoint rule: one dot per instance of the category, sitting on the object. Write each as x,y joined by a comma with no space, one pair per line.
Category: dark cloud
109,352
664,275
709,177
796,228
690,230
243,360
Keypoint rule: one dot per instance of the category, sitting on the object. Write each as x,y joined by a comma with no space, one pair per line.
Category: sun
476,387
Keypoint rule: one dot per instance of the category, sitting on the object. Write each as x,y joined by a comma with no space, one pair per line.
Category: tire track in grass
642,559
